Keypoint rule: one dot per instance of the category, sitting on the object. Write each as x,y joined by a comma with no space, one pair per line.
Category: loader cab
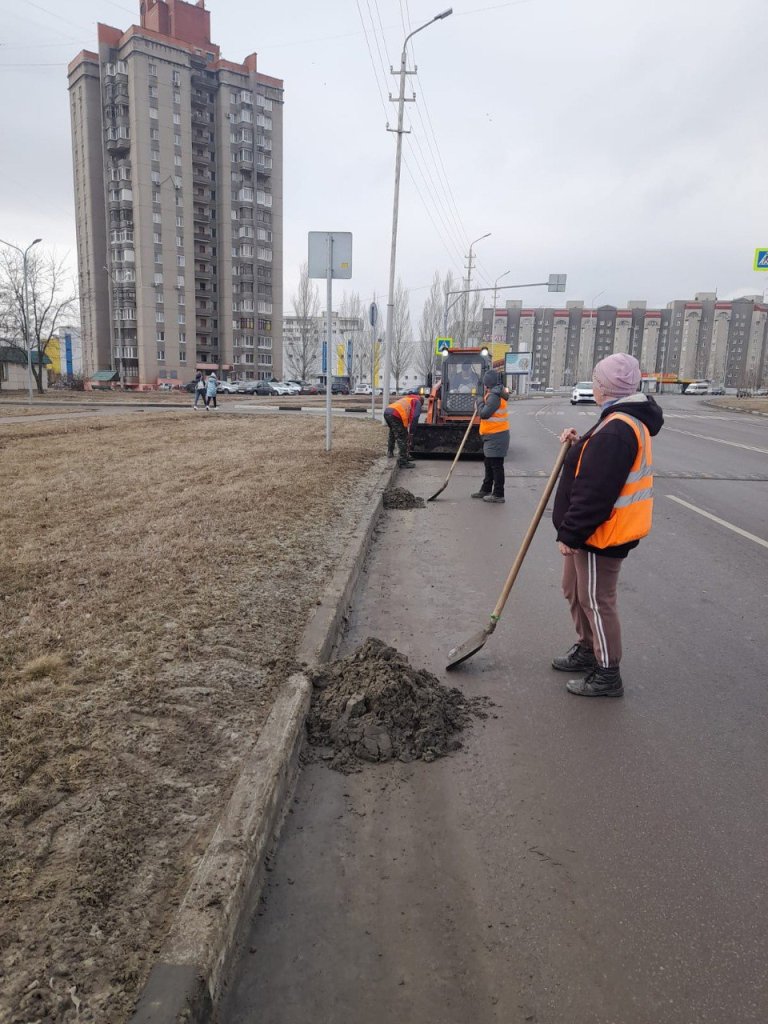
462,380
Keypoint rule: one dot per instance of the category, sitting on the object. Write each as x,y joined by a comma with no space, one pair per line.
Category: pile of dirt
375,706
399,497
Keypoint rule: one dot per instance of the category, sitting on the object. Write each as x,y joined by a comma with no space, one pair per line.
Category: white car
227,387
582,392
363,389
280,388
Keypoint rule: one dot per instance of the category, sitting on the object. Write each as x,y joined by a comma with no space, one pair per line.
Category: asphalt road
578,862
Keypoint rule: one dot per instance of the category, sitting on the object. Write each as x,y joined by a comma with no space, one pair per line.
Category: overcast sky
622,142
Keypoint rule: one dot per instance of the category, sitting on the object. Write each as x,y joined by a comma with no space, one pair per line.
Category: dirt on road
375,706
156,576
401,498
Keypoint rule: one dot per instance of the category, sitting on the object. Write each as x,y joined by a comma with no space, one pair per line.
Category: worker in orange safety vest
401,416
603,507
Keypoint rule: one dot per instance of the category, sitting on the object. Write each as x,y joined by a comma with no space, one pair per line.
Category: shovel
456,459
465,651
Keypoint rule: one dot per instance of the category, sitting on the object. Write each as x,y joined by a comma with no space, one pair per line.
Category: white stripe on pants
589,585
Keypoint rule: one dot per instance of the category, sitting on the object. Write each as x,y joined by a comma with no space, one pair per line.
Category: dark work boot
493,499
601,682
479,494
578,659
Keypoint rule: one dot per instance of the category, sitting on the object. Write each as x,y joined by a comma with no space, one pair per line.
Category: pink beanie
618,375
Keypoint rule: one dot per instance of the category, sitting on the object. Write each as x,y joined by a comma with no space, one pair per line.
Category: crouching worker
603,506
494,430
402,417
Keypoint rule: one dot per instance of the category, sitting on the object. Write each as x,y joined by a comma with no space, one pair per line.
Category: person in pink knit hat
603,507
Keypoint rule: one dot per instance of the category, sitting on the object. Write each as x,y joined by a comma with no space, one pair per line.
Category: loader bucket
444,439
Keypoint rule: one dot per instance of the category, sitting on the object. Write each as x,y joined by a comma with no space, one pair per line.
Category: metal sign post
330,255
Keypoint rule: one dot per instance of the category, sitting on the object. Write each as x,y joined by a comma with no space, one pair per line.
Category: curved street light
396,203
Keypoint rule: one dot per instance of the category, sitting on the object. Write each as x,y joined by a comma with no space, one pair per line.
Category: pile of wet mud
375,706
399,497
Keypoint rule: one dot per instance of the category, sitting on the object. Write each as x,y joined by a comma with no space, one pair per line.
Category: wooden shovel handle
463,442
531,531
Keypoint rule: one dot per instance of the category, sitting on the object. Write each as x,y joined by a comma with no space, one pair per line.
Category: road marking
722,522
720,440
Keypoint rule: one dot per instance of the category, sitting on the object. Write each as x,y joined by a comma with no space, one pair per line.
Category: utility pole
396,203
469,283
493,311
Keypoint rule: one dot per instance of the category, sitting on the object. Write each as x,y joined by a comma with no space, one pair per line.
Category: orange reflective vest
498,422
632,513
403,407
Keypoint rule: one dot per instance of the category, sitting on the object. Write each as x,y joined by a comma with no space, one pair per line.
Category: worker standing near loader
603,506
493,414
401,417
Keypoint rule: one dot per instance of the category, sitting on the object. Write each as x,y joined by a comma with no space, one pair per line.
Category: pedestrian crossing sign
761,259
442,345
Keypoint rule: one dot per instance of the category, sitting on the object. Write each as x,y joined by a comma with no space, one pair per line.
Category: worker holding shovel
603,506
494,430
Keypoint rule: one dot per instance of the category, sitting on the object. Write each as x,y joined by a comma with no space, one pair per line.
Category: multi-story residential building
65,351
178,194
303,339
726,342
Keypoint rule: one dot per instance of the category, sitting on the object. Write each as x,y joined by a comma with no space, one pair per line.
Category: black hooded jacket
582,503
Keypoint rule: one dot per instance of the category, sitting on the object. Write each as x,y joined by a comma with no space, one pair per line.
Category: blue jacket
210,387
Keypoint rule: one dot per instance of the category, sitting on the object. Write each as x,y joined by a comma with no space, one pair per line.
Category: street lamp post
24,254
396,204
469,283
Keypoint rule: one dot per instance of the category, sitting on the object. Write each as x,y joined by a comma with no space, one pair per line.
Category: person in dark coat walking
494,430
603,506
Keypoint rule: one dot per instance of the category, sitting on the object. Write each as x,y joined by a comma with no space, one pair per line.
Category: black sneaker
479,494
578,659
601,682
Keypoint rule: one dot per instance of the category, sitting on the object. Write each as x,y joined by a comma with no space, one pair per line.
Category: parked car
363,389
420,390
291,387
582,392
246,387
190,387
264,388
716,389
549,391
227,387
309,389
698,387
339,389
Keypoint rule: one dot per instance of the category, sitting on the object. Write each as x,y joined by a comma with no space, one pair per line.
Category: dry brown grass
155,578
741,404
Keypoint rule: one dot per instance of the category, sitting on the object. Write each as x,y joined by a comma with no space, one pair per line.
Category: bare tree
353,310
51,298
302,352
430,326
402,341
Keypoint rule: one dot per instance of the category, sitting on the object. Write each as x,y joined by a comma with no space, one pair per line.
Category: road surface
580,861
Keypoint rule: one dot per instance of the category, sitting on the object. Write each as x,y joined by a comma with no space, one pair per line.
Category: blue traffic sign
761,259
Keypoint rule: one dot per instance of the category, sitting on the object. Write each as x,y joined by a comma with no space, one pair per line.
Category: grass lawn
156,576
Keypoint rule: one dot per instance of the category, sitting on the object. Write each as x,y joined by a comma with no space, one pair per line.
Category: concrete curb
185,983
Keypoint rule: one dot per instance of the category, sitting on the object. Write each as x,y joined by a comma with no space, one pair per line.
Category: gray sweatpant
589,585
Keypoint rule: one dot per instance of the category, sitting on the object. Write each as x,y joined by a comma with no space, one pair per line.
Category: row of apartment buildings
725,342
177,158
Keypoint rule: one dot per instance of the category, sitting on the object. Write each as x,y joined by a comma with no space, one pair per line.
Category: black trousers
210,400
493,482
398,435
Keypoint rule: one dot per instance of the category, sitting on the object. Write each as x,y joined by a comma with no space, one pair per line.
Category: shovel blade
438,493
465,651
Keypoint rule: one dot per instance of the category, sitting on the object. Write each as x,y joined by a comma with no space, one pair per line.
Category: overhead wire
406,162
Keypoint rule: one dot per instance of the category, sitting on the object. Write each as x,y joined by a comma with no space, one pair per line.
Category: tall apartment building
726,342
178,193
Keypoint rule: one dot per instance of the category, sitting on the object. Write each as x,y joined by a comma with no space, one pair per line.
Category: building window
182,355
180,261
161,355
158,278
159,317
153,113
153,69
176,96
177,118
177,140
177,78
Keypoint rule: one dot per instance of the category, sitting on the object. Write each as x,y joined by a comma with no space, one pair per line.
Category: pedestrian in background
199,388
210,392
603,506
402,417
493,414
